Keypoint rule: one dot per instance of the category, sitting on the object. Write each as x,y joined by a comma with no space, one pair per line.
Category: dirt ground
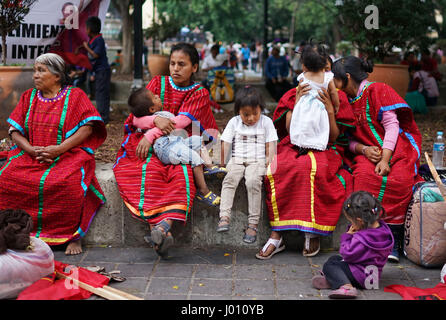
428,124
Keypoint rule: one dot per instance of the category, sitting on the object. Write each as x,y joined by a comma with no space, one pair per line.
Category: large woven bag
424,233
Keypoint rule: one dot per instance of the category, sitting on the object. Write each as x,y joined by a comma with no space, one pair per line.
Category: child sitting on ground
253,139
310,126
364,249
172,149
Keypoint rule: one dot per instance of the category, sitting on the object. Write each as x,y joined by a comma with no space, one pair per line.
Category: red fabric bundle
413,293
50,288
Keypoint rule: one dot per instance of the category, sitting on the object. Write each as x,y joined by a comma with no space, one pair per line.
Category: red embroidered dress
306,192
394,190
151,190
63,197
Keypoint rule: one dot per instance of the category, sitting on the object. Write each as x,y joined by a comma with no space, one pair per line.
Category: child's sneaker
220,172
344,292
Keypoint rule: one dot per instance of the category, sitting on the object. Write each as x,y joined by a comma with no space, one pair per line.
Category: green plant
12,13
400,24
344,48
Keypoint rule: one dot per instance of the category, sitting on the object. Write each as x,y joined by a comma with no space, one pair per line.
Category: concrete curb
113,224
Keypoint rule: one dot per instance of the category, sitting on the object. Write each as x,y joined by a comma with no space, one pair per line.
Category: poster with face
52,26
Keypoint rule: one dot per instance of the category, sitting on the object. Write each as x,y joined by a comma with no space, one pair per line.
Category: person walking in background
245,55
101,69
276,71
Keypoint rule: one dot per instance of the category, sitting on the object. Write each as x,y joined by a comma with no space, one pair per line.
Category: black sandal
161,239
250,238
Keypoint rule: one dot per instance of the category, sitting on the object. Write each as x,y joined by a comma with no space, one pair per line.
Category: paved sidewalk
219,274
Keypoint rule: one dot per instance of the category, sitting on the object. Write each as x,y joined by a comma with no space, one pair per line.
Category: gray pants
253,173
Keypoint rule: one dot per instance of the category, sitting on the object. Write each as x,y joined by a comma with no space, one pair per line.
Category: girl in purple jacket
364,249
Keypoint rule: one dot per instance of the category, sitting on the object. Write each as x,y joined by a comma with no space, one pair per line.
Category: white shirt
209,62
248,142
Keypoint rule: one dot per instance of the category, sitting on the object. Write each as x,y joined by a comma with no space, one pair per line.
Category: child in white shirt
252,138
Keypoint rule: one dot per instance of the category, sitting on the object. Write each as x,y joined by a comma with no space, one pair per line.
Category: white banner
44,26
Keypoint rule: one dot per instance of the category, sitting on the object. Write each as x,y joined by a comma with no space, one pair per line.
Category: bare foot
74,247
313,248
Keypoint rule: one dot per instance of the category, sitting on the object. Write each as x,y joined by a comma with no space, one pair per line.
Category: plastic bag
21,268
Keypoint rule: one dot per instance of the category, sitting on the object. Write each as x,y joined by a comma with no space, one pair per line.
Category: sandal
220,172
277,243
211,199
344,292
308,239
222,226
250,238
160,237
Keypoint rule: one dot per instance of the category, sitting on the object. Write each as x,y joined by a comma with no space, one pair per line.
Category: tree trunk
292,27
127,35
4,48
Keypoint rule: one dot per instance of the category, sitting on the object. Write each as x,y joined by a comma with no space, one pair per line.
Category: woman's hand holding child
142,150
166,125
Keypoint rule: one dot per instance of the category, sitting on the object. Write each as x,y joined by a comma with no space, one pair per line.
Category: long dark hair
358,69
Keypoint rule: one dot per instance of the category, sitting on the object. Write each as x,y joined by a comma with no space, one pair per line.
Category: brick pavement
222,274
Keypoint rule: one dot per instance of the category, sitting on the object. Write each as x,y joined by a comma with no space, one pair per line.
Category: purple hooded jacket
367,247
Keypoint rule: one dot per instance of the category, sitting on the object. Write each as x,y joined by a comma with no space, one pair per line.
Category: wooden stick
105,292
437,178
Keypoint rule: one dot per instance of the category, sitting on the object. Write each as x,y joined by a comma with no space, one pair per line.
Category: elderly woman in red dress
385,145
50,171
156,193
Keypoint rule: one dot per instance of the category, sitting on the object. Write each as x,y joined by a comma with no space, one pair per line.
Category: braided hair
363,205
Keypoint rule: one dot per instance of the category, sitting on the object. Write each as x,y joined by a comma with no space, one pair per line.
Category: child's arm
145,122
391,127
226,142
334,96
224,152
352,250
180,121
271,151
271,140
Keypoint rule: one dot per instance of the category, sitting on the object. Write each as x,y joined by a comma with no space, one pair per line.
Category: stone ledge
114,225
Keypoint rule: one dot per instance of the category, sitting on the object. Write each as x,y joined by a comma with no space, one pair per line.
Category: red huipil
394,190
306,192
151,190
62,198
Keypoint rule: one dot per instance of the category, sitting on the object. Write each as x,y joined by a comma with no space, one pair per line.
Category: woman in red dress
386,144
50,172
305,192
156,193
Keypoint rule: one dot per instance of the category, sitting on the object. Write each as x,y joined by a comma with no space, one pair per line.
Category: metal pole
153,23
138,44
265,34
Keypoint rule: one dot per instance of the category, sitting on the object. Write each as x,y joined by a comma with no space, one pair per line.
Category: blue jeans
175,150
